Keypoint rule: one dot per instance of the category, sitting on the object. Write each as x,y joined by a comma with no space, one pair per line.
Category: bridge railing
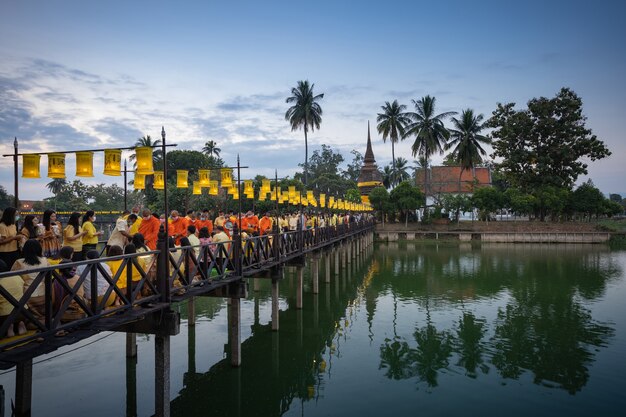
52,303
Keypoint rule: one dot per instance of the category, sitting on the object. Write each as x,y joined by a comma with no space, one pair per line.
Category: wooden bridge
169,275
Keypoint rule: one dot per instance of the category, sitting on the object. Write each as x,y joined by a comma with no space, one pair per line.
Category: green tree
487,200
391,124
401,170
427,127
353,170
305,113
56,185
456,204
545,144
466,140
550,200
406,198
210,149
353,195
518,202
379,199
6,200
387,176
588,200
324,161
615,197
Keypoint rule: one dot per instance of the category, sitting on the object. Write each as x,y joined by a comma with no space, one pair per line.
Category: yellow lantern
213,187
292,191
331,202
181,178
235,194
232,190
56,165
144,160
203,177
273,194
159,181
265,187
304,201
227,177
261,196
322,200
285,195
140,181
84,164
248,187
197,189
112,162
309,195
30,166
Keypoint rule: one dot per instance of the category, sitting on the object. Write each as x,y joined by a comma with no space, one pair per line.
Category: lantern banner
112,162
30,166
181,178
265,187
84,164
213,187
140,181
248,187
197,189
292,191
203,177
144,160
322,200
159,182
227,177
56,165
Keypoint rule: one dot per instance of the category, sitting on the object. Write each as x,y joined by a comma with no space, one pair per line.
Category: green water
434,329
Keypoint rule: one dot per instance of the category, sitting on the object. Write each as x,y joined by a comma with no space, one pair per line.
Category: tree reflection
469,346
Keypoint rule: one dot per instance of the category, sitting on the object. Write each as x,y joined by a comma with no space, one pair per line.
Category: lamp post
125,187
16,188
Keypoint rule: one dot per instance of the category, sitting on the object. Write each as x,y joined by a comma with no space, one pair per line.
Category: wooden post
131,386
315,268
23,387
256,284
300,284
235,331
275,309
327,267
162,375
336,261
344,257
131,345
191,312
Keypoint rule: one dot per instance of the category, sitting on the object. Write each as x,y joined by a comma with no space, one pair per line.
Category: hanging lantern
292,191
232,190
265,187
197,189
322,200
331,202
181,178
304,201
285,195
235,193
159,182
227,177
144,160
203,177
309,195
248,187
30,166
84,164
140,181
273,194
261,196
213,187
112,162
56,165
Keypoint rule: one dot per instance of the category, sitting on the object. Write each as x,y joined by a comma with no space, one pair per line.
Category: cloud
120,131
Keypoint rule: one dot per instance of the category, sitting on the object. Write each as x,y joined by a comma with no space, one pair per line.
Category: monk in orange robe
250,224
149,228
265,224
177,227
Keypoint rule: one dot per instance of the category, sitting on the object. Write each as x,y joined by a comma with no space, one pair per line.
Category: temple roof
369,176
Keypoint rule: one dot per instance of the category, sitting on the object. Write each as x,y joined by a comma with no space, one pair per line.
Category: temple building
370,177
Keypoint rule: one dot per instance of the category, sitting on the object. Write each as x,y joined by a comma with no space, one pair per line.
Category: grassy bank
618,226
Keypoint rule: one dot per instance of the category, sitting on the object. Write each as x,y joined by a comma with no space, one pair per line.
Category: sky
79,75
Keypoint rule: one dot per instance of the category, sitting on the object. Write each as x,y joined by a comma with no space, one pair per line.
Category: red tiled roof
445,179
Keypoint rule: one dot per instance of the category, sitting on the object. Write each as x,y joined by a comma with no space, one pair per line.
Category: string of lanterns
113,167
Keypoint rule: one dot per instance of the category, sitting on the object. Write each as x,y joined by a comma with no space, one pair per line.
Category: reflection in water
544,328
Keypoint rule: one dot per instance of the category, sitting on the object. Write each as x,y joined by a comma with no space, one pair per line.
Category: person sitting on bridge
102,283
14,285
33,258
193,239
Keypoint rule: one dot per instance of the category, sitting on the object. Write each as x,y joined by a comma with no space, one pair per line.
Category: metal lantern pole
16,187
165,202
125,187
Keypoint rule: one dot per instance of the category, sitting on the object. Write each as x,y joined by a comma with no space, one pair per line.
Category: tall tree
466,140
305,113
210,148
391,124
427,127
56,185
401,170
544,145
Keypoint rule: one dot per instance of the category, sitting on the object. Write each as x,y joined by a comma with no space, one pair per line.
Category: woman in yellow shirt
9,237
73,237
90,239
115,265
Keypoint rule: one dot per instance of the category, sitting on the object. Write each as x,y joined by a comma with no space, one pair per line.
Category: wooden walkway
213,271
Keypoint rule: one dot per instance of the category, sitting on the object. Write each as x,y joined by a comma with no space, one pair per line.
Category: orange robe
204,223
178,229
265,225
250,225
150,230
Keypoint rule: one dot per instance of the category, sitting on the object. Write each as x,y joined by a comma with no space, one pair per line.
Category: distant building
445,179
370,177
27,205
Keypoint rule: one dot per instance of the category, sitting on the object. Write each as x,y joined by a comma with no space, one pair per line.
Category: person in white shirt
119,235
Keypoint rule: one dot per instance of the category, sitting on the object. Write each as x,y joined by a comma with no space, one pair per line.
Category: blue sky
77,75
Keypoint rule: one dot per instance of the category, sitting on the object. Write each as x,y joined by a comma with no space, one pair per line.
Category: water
435,329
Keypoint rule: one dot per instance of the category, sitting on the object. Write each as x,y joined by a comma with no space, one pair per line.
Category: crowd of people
34,244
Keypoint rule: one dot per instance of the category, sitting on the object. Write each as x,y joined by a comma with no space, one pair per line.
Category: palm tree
56,185
400,170
391,124
305,113
211,149
427,127
387,176
466,140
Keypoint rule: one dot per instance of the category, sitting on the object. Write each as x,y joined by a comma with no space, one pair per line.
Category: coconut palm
391,124
401,167
387,174
466,140
211,149
427,127
56,185
305,113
